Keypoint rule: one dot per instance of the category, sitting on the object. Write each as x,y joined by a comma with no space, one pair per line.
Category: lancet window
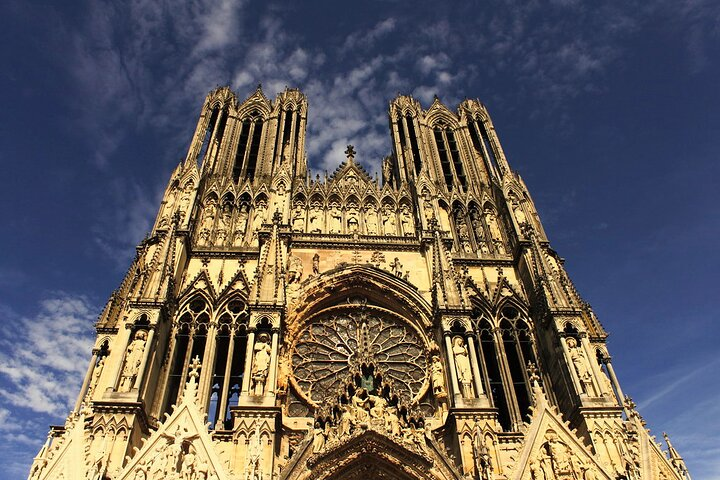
248,147
481,141
209,130
219,347
505,354
450,160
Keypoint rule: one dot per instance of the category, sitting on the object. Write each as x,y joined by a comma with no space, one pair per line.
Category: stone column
614,380
121,362
86,381
272,374
186,364
248,362
477,373
143,366
451,364
208,366
225,392
592,359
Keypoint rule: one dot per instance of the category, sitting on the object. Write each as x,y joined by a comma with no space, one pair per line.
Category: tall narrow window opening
254,148
242,148
208,133
414,143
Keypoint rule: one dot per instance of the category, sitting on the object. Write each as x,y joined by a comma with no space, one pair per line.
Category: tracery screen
332,348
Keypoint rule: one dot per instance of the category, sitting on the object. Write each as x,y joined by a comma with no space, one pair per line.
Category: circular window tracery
337,344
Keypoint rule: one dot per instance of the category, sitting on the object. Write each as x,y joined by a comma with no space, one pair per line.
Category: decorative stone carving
352,216
241,225
396,267
335,221
315,220
581,366
334,347
389,224
316,264
437,377
261,364
462,366
133,359
294,270
406,221
260,216
298,221
371,221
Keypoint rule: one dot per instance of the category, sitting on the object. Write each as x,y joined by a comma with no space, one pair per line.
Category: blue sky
609,110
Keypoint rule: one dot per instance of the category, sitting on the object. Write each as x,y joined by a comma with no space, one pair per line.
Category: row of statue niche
554,460
484,229
177,199
368,220
175,459
362,408
219,228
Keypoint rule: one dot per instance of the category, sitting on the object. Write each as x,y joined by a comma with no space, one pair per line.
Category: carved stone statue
319,437
316,222
261,364
371,222
259,218
437,377
462,366
392,420
387,169
241,225
335,224
389,224
207,222
360,405
406,221
378,406
463,234
428,210
316,264
298,222
294,270
396,267
352,220
133,359
580,364
519,214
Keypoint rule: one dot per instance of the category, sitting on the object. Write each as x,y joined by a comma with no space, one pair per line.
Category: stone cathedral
281,325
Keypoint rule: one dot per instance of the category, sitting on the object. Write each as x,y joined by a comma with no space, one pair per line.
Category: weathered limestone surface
277,324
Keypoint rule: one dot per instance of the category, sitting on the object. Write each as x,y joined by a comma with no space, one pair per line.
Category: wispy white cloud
43,357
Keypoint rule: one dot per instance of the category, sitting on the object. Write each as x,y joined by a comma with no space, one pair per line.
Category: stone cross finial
350,152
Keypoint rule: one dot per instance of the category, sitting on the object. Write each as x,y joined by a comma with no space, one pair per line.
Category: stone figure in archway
462,366
133,359
261,364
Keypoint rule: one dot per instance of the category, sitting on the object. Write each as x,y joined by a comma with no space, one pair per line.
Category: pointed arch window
208,134
248,148
505,354
229,362
191,327
450,160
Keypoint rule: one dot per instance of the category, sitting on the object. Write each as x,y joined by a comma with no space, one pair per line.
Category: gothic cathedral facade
277,324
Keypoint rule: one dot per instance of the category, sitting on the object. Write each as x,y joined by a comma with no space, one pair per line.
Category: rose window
337,345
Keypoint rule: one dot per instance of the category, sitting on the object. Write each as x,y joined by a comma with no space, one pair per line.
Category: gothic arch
380,287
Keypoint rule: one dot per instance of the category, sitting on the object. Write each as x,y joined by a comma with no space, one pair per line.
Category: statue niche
133,361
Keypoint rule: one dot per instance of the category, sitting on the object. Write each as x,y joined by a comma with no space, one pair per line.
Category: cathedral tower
276,324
